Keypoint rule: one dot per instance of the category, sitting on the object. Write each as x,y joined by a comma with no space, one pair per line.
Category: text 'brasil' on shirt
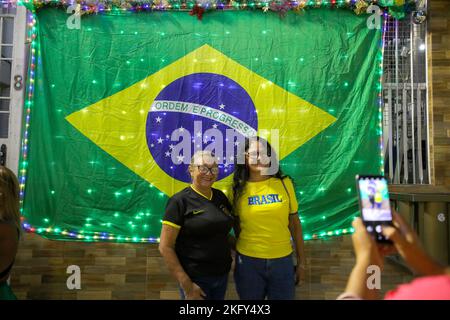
263,199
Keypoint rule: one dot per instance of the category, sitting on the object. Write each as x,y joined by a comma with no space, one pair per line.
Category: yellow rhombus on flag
117,124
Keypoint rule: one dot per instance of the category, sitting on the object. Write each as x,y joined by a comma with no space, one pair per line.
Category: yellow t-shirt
263,210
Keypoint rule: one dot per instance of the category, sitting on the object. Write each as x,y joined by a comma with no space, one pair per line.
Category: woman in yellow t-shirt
265,205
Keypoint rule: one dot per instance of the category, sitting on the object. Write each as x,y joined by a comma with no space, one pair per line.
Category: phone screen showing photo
375,204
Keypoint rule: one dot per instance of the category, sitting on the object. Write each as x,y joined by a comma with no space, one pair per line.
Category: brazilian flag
109,95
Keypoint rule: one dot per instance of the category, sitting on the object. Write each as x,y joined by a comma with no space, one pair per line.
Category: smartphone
374,204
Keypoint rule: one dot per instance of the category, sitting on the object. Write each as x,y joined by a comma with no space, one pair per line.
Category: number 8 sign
18,82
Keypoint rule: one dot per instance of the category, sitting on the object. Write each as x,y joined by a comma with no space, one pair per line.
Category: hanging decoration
396,8
419,17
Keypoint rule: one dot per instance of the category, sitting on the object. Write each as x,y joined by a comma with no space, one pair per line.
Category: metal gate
405,127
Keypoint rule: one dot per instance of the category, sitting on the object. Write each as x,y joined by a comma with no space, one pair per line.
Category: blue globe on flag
214,100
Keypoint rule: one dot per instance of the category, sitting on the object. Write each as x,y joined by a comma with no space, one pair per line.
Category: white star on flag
158,120
152,145
180,158
222,106
167,154
160,140
181,129
215,125
171,146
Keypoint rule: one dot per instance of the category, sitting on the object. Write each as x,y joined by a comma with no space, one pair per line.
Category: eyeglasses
256,155
205,170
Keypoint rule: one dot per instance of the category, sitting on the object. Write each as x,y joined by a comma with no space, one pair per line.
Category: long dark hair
9,197
241,171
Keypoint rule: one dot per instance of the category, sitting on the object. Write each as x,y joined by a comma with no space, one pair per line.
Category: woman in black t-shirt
195,236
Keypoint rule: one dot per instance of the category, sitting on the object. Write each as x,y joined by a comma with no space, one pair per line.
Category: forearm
426,266
357,282
173,264
232,241
297,236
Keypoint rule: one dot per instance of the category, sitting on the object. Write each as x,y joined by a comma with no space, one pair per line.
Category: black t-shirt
202,244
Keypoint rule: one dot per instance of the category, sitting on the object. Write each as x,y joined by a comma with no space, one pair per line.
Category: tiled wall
136,271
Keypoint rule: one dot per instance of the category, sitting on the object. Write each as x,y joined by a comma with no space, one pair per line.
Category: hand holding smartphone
374,204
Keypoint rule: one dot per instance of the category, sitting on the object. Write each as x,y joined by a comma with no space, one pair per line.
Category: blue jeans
258,278
214,287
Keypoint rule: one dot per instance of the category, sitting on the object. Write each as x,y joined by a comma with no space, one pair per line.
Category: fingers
357,224
389,232
302,279
396,218
394,235
299,276
399,222
359,227
198,292
396,224
361,233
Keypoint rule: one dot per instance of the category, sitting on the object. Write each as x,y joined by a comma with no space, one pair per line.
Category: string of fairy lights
31,38
91,236
380,93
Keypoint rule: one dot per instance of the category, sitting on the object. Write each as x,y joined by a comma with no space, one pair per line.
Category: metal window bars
405,125
7,15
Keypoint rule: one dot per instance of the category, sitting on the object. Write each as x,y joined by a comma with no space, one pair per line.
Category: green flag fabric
108,97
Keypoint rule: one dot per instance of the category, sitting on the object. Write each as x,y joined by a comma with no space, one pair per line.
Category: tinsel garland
397,8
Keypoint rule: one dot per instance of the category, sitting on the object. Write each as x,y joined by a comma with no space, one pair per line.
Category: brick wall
136,271
439,82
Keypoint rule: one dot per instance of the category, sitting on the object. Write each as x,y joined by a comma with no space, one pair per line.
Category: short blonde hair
9,197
